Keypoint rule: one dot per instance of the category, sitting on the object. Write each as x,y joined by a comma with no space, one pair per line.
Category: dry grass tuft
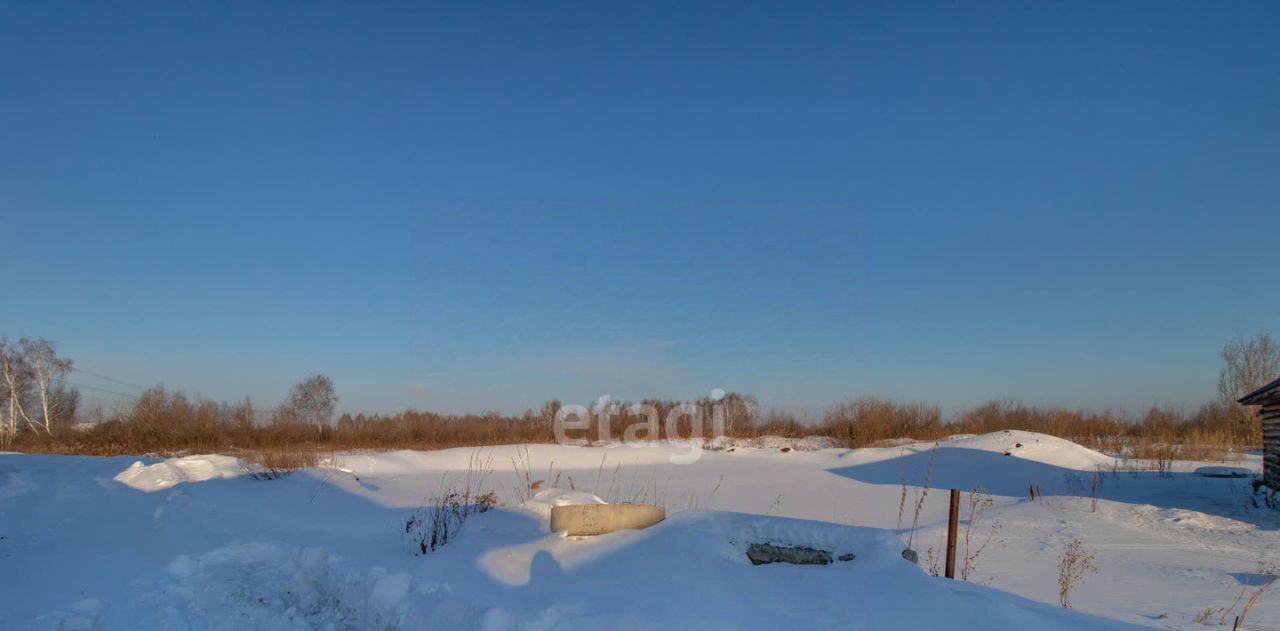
1072,568
273,464
457,501
977,534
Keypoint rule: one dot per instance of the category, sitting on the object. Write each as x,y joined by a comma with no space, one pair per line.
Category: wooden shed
1268,397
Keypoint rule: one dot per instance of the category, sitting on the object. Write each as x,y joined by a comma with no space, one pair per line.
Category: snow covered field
190,543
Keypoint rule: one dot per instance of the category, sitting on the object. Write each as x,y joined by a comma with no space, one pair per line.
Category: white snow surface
190,544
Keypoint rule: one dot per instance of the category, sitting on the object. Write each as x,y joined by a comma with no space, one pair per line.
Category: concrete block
598,519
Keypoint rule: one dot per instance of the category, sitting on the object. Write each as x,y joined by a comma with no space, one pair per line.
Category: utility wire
106,378
117,393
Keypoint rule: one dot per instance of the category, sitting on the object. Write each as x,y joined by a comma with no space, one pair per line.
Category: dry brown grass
273,464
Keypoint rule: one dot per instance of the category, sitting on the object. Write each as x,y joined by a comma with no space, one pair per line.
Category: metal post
953,523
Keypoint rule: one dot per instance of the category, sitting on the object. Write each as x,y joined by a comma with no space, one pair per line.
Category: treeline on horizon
164,422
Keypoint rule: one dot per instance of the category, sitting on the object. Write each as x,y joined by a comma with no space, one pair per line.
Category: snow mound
1042,448
544,500
174,471
1003,463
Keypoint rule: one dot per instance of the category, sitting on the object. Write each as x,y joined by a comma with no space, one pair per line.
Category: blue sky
471,206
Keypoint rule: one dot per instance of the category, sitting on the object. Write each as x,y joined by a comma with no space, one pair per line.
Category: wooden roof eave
1267,393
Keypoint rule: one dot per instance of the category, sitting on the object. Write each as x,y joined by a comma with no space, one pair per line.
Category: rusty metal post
953,526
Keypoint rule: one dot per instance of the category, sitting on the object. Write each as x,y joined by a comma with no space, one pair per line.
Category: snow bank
173,471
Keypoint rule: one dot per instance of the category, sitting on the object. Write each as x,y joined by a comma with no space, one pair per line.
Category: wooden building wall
1270,414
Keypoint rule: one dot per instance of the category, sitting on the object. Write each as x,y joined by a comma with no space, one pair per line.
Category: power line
106,378
117,393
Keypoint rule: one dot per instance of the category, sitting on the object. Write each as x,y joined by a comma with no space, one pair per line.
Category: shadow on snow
1011,476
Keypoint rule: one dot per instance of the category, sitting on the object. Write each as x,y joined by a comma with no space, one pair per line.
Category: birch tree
48,371
314,399
16,376
6,422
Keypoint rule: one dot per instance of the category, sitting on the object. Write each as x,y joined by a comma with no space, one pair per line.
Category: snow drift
173,471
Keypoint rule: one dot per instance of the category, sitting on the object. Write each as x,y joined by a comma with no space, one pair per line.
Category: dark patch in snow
1223,472
1253,579
763,553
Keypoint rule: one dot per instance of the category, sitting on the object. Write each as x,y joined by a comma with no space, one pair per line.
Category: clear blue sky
468,205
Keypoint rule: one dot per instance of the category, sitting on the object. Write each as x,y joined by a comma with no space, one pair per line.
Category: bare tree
1248,365
549,409
8,420
243,415
314,399
48,371
16,375
739,411
65,400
